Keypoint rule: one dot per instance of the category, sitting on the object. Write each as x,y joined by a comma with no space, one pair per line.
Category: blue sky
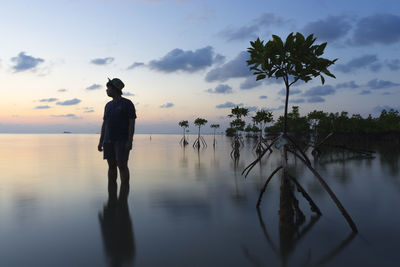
183,59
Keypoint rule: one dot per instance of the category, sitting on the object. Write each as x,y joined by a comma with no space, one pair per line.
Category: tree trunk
286,107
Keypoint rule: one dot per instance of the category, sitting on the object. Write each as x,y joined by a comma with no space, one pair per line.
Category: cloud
71,116
189,61
393,64
321,90
242,33
291,92
70,102
48,99
376,66
351,85
93,87
263,97
250,83
236,68
102,61
377,29
42,107
135,65
251,30
296,101
380,84
167,105
219,59
228,104
330,28
357,63
365,92
276,109
252,108
24,62
128,94
221,89
62,90
315,99
270,19
88,109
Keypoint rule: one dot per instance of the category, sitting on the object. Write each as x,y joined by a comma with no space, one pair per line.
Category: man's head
114,87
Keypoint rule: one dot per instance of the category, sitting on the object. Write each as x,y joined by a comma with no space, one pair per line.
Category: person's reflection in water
116,227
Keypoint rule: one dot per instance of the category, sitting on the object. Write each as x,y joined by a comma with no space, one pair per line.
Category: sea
189,207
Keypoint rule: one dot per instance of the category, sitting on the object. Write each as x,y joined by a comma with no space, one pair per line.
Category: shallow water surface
186,207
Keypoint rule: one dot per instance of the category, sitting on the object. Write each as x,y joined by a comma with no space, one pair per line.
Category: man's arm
131,131
100,145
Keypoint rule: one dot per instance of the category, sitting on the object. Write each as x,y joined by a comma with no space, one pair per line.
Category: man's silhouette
117,132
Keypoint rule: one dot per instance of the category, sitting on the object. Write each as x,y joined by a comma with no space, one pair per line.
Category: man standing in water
117,132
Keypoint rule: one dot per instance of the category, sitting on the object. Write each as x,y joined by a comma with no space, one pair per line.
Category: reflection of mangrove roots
265,231
337,250
184,141
235,154
300,189
303,157
236,144
199,142
330,192
266,184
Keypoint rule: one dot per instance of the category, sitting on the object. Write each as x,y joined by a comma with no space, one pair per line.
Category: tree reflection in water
292,230
116,227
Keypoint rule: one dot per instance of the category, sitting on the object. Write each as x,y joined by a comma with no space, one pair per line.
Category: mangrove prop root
331,194
199,142
251,165
183,141
266,184
313,206
298,148
355,150
323,140
265,142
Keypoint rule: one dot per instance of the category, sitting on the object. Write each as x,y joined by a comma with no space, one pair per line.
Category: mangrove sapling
199,140
297,58
184,141
261,118
237,124
215,127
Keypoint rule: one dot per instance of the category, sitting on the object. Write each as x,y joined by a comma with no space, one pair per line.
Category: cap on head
116,83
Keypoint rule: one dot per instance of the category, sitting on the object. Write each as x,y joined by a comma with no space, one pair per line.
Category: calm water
186,208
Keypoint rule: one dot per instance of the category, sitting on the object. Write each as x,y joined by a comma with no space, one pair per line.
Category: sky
184,59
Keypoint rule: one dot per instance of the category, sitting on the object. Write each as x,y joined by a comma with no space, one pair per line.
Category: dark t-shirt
116,118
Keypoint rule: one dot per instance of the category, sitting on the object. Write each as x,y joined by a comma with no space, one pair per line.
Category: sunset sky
183,59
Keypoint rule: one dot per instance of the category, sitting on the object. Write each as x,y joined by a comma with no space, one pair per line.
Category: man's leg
123,171
112,171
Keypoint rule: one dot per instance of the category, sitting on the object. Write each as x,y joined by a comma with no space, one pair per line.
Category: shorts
116,150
